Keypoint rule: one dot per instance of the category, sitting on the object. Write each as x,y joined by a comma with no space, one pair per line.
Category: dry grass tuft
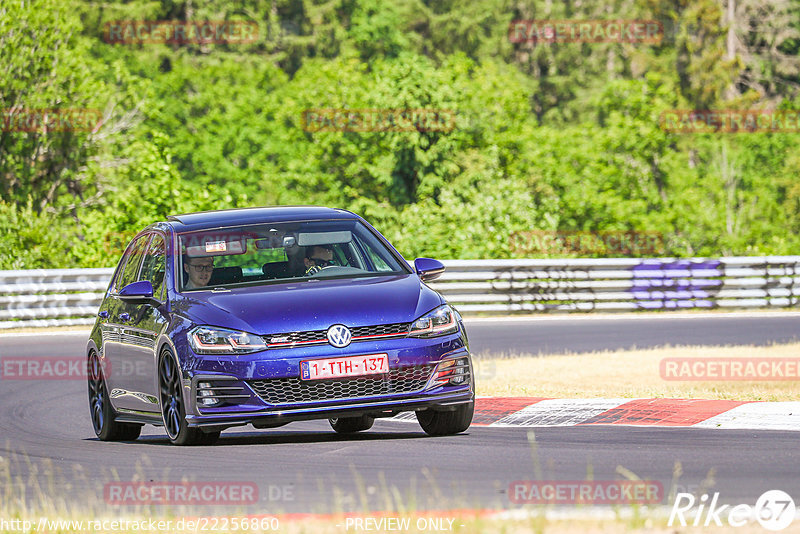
625,374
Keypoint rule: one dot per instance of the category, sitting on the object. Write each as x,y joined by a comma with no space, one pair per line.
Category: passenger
199,271
317,258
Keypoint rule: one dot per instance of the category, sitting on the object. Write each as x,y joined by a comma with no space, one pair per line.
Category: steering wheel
316,268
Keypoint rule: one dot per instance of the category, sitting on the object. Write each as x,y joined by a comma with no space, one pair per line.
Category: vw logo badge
339,335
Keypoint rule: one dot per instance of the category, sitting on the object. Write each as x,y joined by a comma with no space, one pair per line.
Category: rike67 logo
774,510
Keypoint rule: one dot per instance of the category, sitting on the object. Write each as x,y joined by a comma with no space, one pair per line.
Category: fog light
205,394
461,376
460,372
453,372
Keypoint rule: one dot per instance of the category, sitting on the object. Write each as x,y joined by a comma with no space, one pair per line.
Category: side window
133,262
154,265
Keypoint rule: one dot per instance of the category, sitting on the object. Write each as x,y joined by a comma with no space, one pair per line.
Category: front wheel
350,425
173,411
446,423
100,410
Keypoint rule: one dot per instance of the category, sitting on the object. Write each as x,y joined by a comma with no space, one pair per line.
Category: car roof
242,216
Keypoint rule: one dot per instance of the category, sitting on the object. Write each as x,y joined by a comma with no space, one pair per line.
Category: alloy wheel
96,392
171,396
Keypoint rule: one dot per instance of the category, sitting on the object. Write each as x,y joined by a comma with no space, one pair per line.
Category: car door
115,334
145,324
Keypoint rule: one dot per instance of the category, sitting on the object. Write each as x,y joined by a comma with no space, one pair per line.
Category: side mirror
140,292
428,269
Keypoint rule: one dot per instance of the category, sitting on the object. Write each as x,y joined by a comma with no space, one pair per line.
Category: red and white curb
544,412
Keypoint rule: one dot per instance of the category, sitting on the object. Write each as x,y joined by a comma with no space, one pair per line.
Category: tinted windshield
273,253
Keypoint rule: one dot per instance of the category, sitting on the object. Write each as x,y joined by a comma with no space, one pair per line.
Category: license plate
369,364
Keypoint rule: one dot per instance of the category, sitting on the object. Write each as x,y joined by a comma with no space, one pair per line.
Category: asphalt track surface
50,451
590,333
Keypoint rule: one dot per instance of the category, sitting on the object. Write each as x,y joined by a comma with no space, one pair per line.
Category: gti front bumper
347,408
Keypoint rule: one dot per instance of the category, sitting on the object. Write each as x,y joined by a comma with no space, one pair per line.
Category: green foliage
547,136
27,239
45,66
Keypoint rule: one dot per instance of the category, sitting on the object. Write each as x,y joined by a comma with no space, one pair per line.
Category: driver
317,258
199,271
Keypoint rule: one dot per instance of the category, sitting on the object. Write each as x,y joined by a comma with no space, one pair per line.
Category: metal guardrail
51,297
71,296
621,284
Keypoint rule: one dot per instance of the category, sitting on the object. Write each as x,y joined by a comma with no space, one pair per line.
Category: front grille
381,330
318,337
293,390
294,338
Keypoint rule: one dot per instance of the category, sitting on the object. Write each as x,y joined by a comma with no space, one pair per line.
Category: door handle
124,316
103,314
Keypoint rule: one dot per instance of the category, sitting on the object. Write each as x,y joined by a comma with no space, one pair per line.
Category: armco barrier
72,296
620,284
51,297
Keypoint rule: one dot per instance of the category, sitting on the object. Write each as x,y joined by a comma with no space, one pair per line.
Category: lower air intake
294,390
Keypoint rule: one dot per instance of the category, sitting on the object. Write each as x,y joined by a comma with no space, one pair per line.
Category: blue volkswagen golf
266,316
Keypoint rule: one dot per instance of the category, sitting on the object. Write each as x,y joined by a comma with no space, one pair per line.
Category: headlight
439,322
210,340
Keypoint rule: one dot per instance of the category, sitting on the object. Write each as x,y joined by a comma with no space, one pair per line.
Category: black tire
446,423
102,414
173,411
350,425
209,438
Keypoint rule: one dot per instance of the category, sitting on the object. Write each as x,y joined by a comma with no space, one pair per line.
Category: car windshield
275,253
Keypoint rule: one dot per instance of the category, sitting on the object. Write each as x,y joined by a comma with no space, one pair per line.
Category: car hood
300,306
